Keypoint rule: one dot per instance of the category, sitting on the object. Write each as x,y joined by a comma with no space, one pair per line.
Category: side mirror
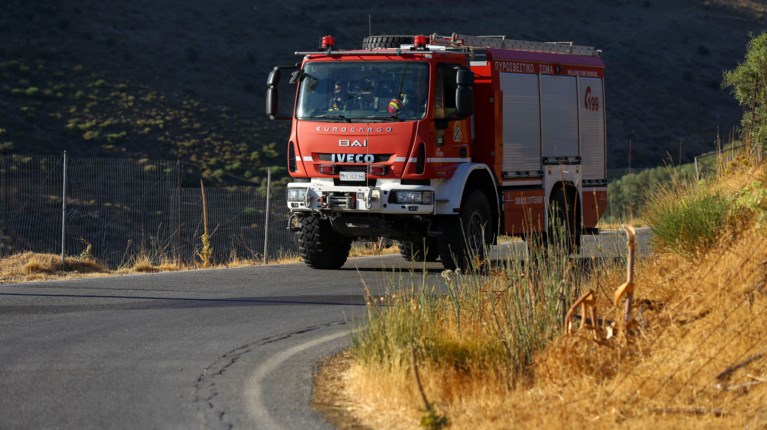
464,93
272,93
278,102
464,77
274,77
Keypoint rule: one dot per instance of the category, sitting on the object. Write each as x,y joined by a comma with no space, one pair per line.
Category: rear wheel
465,237
319,247
420,250
564,224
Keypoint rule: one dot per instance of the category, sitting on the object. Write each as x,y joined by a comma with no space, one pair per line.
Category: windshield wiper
331,117
381,118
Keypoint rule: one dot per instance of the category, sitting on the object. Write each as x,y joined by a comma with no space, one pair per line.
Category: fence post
266,222
178,214
64,211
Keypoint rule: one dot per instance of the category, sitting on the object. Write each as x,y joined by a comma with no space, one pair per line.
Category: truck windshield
363,91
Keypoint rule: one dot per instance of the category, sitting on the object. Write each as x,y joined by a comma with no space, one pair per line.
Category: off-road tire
413,251
564,216
319,247
383,42
466,236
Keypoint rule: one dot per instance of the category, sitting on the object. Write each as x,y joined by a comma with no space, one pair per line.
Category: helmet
394,106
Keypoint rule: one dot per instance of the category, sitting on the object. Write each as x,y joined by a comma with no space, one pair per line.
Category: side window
439,103
445,97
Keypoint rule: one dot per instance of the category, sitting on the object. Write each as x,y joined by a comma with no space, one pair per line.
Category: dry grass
697,359
30,266
378,247
145,264
698,319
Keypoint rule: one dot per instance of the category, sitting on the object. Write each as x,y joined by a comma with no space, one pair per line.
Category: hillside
163,80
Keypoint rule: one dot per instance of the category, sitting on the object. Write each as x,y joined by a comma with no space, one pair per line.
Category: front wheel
319,247
465,237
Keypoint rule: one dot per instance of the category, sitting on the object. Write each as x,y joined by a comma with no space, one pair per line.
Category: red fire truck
441,143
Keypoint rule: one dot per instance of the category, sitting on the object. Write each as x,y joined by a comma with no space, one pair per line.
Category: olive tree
748,83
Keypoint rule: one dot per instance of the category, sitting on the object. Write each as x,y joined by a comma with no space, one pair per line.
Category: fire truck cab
441,143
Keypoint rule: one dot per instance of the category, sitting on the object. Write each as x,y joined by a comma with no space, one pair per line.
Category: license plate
352,176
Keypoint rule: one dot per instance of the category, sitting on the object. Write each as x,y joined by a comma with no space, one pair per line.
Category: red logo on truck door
589,102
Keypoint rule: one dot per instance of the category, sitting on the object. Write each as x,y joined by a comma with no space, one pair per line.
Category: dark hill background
185,80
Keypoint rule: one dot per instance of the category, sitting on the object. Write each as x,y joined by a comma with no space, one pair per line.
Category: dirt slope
200,67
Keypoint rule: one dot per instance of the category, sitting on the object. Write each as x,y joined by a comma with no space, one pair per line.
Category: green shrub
752,199
627,195
690,218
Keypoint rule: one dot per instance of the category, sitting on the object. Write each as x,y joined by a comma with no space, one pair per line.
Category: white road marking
254,394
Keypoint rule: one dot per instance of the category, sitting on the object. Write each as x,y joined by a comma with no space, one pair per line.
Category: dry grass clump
30,266
145,264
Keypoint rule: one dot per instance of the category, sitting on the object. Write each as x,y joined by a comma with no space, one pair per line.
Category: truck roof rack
501,42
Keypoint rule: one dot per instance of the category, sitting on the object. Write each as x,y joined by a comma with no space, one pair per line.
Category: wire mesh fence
710,163
117,210
30,203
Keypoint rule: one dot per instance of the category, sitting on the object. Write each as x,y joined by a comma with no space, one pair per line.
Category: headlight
296,194
414,197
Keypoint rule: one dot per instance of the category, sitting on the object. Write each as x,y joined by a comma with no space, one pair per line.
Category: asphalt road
229,348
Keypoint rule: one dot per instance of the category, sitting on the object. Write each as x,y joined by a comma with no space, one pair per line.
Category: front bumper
322,195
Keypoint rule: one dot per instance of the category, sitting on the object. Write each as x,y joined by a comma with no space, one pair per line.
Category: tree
748,83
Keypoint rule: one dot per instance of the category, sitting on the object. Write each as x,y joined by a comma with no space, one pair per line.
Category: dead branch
627,289
588,304
730,370
689,411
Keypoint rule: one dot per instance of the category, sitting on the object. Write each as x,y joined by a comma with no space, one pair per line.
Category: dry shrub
49,263
33,266
143,264
168,266
41,264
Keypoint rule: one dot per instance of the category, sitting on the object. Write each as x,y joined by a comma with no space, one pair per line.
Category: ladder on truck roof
501,42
